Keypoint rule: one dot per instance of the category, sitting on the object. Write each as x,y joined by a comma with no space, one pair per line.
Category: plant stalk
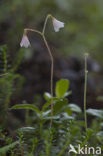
51,57
51,79
45,23
85,91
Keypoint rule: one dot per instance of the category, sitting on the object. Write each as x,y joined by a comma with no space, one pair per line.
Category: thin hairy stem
33,30
47,17
51,57
52,67
52,63
85,91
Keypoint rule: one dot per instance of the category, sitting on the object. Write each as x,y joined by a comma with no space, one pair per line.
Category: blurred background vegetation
83,32
83,24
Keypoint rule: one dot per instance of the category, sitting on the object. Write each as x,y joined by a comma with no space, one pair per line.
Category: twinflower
57,24
25,41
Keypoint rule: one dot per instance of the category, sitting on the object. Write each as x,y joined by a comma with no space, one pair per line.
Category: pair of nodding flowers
56,24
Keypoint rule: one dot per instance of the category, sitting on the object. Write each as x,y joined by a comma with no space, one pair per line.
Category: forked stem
51,57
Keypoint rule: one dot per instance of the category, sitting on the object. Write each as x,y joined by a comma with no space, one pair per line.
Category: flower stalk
51,79
25,42
85,91
45,23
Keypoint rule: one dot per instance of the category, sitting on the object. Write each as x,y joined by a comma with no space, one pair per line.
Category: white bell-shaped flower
25,41
57,24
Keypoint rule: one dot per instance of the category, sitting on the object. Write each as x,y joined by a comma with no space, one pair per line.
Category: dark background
83,32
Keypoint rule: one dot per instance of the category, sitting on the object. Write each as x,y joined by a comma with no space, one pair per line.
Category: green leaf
26,106
75,108
55,117
59,105
48,103
67,93
65,116
90,132
101,124
100,134
6,148
26,129
44,114
47,96
95,112
61,88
